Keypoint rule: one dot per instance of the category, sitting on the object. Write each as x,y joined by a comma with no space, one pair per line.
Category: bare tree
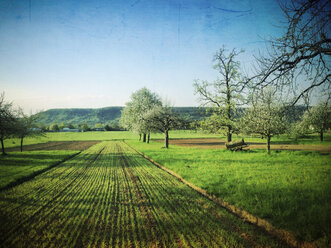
162,119
26,127
300,59
8,121
226,92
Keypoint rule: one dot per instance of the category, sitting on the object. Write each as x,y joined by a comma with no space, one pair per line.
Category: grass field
109,196
176,134
291,189
84,136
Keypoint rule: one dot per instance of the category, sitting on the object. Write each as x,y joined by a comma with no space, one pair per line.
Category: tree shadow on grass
40,157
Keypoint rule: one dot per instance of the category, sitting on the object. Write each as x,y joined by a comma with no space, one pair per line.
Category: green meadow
95,135
290,189
176,134
110,196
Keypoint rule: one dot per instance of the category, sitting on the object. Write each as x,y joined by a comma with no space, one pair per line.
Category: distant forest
107,115
111,115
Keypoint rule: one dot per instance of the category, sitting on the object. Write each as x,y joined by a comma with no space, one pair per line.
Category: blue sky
63,54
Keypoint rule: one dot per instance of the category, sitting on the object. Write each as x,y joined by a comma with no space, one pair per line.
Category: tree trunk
140,137
3,147
148,137
229,134
21,144
144,137
166,139
228,107
321,135
268,144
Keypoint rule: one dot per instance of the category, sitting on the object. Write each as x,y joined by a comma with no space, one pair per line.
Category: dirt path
110,196
212,143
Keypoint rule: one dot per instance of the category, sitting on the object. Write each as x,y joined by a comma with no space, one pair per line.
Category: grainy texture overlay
110,196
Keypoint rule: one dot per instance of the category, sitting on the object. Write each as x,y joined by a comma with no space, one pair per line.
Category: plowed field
57,145
110,196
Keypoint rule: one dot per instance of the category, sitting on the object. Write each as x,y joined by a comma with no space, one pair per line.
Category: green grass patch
67,136
102,136
110,196
291,189
309,139
175,134
19,165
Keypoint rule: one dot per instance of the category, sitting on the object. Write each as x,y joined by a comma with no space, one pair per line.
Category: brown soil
57,145
212,143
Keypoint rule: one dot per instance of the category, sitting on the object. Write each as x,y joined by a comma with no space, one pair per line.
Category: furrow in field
146,209
31,209
115,212
77,199
97,215
154,209
46,184
42,213
110,207
177,215
109,196
183,208
168,212
37,221
126,215
91,203
101,222
162,229
137,231
78,211
209,213
106,205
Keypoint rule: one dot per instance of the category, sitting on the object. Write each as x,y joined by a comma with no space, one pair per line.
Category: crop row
109,196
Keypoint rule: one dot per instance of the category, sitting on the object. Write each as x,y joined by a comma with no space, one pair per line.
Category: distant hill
112,115
104,115
80,116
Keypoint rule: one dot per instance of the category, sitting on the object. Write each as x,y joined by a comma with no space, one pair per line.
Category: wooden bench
237,145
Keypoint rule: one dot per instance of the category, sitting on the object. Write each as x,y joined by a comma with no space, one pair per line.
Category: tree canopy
140,103
265,116
318,118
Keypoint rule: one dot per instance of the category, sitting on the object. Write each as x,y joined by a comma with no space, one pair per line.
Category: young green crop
110,196
19,165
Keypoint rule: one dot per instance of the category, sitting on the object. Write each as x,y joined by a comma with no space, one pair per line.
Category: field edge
280,234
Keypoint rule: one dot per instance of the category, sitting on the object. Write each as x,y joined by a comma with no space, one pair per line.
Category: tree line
84,127
296,65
